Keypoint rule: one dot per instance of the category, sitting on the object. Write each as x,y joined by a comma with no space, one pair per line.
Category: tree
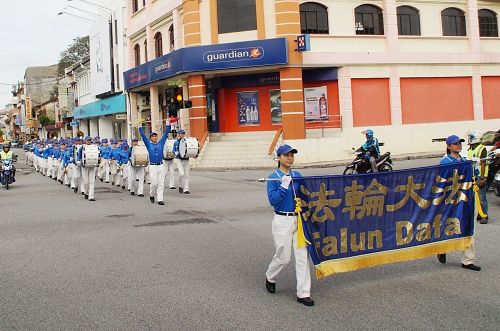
75,52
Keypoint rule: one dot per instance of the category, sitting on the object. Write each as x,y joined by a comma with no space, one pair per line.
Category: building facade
429,68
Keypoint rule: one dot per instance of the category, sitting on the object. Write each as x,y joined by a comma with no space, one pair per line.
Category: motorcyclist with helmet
7,154
372,148
478,153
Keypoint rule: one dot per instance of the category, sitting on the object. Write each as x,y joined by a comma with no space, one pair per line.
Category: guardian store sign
245,54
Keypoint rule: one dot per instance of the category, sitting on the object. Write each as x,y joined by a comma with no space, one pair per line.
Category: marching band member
88,173
124,165
156,168
114,156
170,172
182,164
103,170
45,158
55,160
60,165
453,149
284,227
136,172
77,170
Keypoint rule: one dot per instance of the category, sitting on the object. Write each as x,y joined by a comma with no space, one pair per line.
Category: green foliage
75,52
44,120
54,94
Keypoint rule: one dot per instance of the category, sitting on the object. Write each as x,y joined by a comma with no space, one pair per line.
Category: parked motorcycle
7,173
362,165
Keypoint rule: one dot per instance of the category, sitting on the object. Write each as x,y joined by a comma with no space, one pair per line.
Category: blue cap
104,141
453,139
181,131
88,138
283,149
113,141
135,139
153,134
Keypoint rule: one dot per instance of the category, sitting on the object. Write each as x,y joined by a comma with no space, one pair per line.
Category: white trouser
157,176
59,171
76,176
44,166
284,229
49,166
55,168
183,168
125,173
66,175
169,171
115,171
136,172
88,176
469,255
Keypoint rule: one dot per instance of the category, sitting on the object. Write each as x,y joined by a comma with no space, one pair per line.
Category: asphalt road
122,263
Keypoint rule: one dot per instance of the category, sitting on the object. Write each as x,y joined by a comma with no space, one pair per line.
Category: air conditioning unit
145,101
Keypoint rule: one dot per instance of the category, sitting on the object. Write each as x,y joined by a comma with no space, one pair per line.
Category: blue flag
359,221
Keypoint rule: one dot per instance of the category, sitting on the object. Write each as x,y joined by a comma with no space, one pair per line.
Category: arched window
488,25
453,20
369,20
313,18
408,21
137,54
158,44
171,37
146,50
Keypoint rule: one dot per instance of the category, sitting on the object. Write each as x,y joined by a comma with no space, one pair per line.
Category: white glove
285,181
78,163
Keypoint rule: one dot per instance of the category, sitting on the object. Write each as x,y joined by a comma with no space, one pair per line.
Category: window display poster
248,108
316,103
275,100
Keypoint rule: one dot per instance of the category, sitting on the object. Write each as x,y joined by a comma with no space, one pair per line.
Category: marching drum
90,155
168,150
140,156
189,147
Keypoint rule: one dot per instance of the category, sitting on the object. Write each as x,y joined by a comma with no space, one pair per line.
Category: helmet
6,144
473,137
368,132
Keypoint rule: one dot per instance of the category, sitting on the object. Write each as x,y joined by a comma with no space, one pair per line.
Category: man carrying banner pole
285,227
453,149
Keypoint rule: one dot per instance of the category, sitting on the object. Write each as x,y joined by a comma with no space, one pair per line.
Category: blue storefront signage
212,57
303,43
113,105
75,123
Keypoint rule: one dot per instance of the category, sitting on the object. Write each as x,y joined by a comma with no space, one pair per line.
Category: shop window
137,54
313,18
488,26
453,20
408,21
146,50
171,37
158,44
369,20
235,16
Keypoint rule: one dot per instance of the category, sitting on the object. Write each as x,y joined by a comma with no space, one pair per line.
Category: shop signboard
275,103
244,54
108,106
100,57
75,123
121,116
316,103
248,108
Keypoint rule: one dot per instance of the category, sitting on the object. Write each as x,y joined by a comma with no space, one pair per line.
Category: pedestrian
478,153
453,149
136,173
280,193
156,168
88,173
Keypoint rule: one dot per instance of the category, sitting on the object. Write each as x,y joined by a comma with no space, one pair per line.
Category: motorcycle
362,165
7,173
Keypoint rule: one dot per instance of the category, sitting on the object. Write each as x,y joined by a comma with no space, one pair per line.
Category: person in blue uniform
114,156
136,172
280,193
453,149
182,164
156,168
88,173
124,164
103,169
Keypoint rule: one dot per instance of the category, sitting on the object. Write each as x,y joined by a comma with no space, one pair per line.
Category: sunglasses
456,144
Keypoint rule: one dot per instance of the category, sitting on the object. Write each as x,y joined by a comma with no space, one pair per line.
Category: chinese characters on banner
358,221
316,103
248,108
275,103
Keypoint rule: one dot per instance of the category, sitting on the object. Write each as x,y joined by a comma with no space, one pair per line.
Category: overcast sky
32,34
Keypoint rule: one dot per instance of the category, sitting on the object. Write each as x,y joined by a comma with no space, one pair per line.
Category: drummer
88,173
135,172
182,164
156,167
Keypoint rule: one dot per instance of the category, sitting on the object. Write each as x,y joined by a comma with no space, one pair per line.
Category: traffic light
178,96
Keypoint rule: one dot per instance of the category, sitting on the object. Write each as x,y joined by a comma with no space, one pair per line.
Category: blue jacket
372,143
175,150
280,198
155,151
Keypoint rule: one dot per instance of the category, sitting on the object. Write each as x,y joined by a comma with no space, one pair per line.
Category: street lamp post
81,17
